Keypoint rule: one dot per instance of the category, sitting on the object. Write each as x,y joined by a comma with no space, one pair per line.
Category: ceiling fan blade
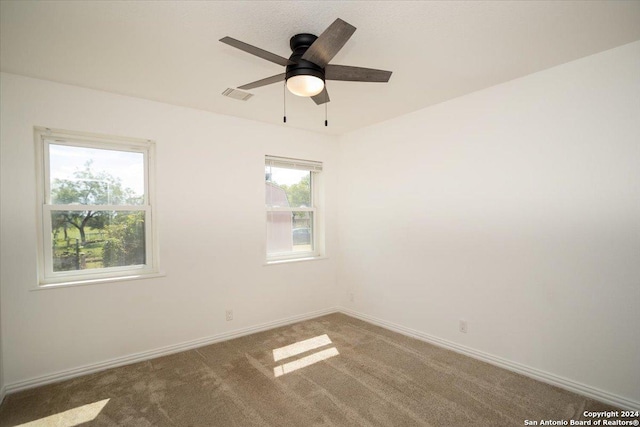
269,80
355,74
322,97
329,43
256,51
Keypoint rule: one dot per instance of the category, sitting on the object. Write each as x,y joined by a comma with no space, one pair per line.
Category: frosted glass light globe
303,85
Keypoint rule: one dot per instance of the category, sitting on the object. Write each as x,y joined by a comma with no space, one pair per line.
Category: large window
94,205
294,219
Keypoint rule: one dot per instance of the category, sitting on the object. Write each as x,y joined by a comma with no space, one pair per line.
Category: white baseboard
151,354
537,374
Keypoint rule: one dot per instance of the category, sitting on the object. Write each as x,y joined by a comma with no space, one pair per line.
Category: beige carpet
333,370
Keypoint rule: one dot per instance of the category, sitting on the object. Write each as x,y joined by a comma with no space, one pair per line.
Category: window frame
44,137
315,169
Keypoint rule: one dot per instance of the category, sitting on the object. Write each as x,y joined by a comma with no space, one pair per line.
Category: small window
292,193
95,211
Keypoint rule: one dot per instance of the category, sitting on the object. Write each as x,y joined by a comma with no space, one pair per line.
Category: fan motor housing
299,45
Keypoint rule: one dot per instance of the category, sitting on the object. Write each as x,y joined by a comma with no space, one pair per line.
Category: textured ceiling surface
169,51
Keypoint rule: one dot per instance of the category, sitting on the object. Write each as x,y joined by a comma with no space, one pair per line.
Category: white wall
516,208
210,191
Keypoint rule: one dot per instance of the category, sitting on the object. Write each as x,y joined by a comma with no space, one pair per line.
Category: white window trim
47,278
316,208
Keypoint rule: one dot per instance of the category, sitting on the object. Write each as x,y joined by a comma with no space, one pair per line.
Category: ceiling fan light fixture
305,85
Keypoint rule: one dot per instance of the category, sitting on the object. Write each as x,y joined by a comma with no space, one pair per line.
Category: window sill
86,282
287,261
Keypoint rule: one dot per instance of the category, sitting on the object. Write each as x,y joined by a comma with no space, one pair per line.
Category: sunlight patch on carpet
72,417
305,361
300,347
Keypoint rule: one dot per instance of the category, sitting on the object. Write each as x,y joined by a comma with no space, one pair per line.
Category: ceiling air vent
237,94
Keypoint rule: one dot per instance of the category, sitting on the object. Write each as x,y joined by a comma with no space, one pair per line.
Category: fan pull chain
284,101
326,122
326,105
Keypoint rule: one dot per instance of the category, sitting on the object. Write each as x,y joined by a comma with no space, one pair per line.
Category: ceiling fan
308,66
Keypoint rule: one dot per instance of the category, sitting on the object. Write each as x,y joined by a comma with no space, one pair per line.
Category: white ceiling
169,51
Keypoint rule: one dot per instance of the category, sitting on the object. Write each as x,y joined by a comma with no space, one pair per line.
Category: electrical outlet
352,298
229,315
463,326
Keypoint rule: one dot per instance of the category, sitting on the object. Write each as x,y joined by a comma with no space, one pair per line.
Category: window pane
302,231
287,187
91,176
289,232
84,240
